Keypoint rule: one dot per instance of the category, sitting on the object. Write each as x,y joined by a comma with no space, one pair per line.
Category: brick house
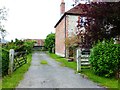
39,42
66,27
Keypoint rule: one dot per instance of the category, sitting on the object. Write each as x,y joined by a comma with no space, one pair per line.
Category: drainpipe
65,35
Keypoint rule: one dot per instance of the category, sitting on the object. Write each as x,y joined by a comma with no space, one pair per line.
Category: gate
16,60
20,58
82,58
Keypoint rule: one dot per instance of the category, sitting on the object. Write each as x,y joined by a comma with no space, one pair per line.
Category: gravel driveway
52,75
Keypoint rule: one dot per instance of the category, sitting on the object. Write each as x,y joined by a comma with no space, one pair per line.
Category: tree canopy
3,15
50,42
103,21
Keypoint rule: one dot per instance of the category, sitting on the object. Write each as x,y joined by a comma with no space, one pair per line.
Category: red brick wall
39,42
60,38
60,35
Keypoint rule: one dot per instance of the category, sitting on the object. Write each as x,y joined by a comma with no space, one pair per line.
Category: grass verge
11,81
43,62
102,81
63,61
0,83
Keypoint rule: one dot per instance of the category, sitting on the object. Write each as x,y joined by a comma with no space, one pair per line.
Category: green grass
102,81
11,81
63,61
43,62
0,83
107,82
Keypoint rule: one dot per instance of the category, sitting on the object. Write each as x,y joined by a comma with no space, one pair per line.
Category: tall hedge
5,62
105,58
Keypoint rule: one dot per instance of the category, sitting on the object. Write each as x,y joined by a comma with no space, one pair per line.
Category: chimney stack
62,7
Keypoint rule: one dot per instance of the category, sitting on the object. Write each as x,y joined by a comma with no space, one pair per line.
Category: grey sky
32,18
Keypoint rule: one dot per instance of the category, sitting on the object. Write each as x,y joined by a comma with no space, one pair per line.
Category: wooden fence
16,60
82,59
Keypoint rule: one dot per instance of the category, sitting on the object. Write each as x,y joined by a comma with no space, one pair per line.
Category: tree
103,21
71,41
50,42
3,33
3,15
107,19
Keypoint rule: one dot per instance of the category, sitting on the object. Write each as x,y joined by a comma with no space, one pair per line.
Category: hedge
105,58
5,62
17,46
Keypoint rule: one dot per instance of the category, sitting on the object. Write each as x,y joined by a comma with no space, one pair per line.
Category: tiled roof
80,9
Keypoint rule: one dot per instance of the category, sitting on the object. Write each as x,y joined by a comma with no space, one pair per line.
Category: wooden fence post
78,60
11,61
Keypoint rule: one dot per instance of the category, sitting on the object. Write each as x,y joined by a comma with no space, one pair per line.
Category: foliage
18,46
50,42
71,41
102,21
3,15
11,81
107,19
102,81
28,45
5,62
105,58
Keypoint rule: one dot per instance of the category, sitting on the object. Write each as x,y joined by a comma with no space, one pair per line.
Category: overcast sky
32,19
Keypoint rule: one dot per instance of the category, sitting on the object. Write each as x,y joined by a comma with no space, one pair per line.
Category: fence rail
16,60
20,58
82,59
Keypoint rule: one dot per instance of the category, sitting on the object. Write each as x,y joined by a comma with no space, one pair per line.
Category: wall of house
60,38
72,23
71,30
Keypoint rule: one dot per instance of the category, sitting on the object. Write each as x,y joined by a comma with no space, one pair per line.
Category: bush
104,58
18,46
28,45
5,62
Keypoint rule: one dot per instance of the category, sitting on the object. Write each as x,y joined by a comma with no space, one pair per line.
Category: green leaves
18,46
50,42
105,58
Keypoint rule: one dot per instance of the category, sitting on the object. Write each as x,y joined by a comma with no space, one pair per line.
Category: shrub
28,45
105,58
18,46
5,61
